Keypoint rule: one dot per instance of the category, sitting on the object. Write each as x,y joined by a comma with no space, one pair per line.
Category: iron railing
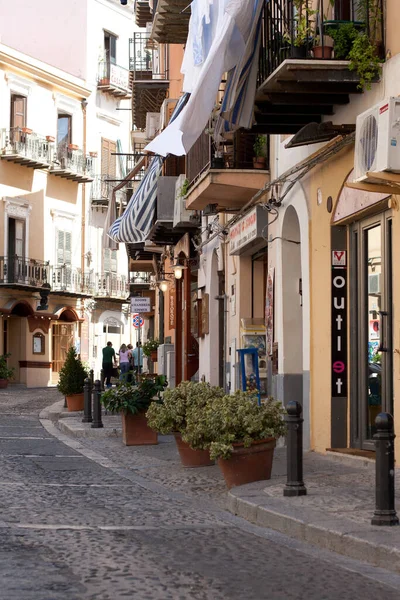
110,285
237,155
110,74
23,271
140,278
101,189
67,278
291,32
23,142
72,159
147,60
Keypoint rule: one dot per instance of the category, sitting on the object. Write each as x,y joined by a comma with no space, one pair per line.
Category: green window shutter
68,247
60,247
113,261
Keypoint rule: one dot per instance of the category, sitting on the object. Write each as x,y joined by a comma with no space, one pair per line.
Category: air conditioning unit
166,110
182,216
152,125
378,140
374,283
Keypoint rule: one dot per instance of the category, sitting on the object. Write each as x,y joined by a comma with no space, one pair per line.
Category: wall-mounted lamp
178,270
163,285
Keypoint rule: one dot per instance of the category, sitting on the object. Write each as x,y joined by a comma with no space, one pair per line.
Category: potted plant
132,401
323,50
179,404
343,37
5,372
93,154
50,138
26,130
260,151
302,28
240,434
150,349
73,147
71,380
364,59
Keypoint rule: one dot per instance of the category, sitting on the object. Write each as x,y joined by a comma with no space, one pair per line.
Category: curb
66,422
347,543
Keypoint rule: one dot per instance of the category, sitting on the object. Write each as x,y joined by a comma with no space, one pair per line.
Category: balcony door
371,331
16,249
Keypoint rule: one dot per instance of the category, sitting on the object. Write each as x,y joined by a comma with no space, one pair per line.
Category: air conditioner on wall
152,124
374,284
378,140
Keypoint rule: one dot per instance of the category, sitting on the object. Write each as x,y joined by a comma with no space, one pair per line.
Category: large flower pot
136,432
323,52
259,162
3,384
74,402
248,464
190,457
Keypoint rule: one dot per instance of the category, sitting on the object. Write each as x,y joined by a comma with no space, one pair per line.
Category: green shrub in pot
72,375
129,398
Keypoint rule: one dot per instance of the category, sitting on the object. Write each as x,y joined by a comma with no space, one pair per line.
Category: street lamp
163,285
178,270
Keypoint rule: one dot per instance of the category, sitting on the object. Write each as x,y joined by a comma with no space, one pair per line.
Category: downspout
83,212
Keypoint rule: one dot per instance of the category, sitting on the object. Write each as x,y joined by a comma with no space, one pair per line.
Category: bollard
294,453
87,406
385,513
102,379
91,376
97,422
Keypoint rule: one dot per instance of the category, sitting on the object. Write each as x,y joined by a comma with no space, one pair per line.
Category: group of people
130,359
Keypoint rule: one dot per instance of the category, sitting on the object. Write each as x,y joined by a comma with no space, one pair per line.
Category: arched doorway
64,332
292,312
15,335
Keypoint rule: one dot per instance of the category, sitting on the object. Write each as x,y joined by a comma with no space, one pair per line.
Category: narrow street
73,529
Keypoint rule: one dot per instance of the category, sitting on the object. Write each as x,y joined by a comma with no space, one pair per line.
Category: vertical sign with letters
339,324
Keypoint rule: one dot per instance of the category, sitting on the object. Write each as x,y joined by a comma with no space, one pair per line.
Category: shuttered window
64,247
108,159
110,47
110,261
18,111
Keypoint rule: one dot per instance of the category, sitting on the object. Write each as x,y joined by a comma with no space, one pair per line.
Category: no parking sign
137,321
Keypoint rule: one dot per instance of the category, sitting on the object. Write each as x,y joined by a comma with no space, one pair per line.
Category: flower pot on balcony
26,130
259,162
50,138
93,154
73,147
323,52
217,162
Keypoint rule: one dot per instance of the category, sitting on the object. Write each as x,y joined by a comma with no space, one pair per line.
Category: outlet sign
339,324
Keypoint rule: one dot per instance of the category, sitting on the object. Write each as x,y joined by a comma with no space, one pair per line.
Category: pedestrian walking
138,357
109,362
124,362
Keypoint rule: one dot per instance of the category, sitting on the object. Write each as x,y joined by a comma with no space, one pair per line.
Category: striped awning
134,225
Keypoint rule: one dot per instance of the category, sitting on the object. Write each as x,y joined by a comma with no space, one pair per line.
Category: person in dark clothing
109,362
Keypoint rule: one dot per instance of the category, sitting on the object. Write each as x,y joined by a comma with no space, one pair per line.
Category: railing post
385,513
294,453
97,422
87,406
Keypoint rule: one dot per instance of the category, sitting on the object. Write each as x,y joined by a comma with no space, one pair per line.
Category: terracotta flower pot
190,457
259,162
74,402
73,147
323,52
26,130
248,464
136,432
3,383
50,138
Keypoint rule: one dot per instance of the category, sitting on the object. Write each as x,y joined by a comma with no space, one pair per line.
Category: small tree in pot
71,380
150,349
5,372
260,152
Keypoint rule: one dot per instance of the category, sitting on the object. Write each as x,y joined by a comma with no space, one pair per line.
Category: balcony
16,271
68,280
163,230
228,180
113,79
110,286
24,147
171,22
294,86
142,13
71,163
139,280
100,190
148,64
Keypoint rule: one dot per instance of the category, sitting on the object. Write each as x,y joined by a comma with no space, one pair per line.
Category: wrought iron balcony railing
23,271
22,145
113,78
294,28
140,278
101,189
70,162
69,279
110,285
147,60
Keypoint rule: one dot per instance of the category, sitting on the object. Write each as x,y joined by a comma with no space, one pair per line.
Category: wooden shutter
60,247
19,237
108,160
64,247
18,111
68,248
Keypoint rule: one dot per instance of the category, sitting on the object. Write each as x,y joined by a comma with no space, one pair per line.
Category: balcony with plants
113,79
25,147
70,162
314,54
226,176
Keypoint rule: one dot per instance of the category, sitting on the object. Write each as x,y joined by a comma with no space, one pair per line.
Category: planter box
75,402
248,464
136,432
50,138
73,147
191,458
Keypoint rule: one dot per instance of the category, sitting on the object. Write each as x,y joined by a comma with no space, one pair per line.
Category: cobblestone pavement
72,529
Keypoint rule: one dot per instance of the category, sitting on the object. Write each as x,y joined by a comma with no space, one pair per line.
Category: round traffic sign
137,321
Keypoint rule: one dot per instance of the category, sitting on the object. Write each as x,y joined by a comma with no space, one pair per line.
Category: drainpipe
83,214
223,298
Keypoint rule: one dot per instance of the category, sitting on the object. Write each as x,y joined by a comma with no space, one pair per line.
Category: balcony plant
50,138
240,434
302,28
6,373
71,380
186,401
150,349
132,401
260,151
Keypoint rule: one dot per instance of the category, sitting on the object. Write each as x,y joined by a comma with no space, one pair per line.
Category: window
110,47
64,247
18,111
108,158
64,129
110,261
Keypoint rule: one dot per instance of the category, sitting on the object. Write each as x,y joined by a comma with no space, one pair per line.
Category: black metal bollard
294,453
87,406
97,422
102,378
385,513
91,376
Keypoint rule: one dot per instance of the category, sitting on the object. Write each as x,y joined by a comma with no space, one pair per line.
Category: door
16,250
371,333
63,339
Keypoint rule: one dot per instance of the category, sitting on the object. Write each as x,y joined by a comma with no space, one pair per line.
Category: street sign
140,305
137,321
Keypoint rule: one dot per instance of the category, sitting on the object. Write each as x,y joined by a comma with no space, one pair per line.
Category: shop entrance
63,339
371,383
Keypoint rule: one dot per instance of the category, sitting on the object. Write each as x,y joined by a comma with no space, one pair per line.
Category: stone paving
131,523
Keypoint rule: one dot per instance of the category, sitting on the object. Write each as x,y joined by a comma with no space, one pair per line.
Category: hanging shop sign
249,234
339,324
